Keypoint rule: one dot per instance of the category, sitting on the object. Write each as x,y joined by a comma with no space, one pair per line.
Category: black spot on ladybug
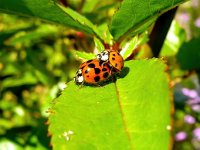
118,54
113,54
88,76
88,61
105,75
104,69
91,65
96,79
113,58
100,63
86,71
97,70
116,65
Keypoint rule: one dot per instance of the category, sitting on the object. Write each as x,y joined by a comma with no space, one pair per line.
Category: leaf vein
123,117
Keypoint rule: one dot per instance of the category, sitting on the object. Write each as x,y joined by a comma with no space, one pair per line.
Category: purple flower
197,22
189,119
193,101
183,18
180,136
189,93
196,108
196,133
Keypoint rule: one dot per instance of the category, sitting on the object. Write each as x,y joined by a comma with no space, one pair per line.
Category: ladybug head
78,79
103,56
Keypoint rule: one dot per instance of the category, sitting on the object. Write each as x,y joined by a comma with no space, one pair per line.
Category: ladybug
113,58
92,72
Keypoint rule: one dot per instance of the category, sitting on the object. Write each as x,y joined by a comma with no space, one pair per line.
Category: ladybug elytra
92,72
113,58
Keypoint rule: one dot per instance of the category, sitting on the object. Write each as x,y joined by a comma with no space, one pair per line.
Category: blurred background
37,59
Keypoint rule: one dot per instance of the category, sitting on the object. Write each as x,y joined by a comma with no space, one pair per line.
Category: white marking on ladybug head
79,77
103,56
98,56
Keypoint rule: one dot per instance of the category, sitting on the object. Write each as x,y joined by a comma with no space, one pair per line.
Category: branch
160,30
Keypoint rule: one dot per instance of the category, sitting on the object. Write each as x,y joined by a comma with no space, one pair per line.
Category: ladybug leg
111,69
99,85
82,84
113,76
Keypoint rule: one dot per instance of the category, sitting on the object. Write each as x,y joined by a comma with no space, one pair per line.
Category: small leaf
133,14
83,55
133,113
143,38
105,34
129,47
99,46
189,55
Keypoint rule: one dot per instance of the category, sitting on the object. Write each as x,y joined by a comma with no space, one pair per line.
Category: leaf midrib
123,116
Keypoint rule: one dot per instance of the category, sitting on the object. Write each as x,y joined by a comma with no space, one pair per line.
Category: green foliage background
40,52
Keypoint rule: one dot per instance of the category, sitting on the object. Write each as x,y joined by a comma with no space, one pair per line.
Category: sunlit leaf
133,113
84,55
129,47
133,14
175,38
105,33
99,45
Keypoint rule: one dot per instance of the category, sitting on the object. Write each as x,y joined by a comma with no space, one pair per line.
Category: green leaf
189,55
5,35
24,79
33,36
129,47
133,113
134,13
98,44
50,11
83,55
89,5
175,38
105,33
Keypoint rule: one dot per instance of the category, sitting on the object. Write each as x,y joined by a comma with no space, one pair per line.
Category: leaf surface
50,11
189,55
134,13
132,113
83,55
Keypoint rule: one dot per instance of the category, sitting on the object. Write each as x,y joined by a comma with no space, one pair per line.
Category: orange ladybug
92,72
113,58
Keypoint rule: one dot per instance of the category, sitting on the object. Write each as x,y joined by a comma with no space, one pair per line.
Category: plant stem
160,30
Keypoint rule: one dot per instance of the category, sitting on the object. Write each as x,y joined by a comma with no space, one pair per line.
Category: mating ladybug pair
99,69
